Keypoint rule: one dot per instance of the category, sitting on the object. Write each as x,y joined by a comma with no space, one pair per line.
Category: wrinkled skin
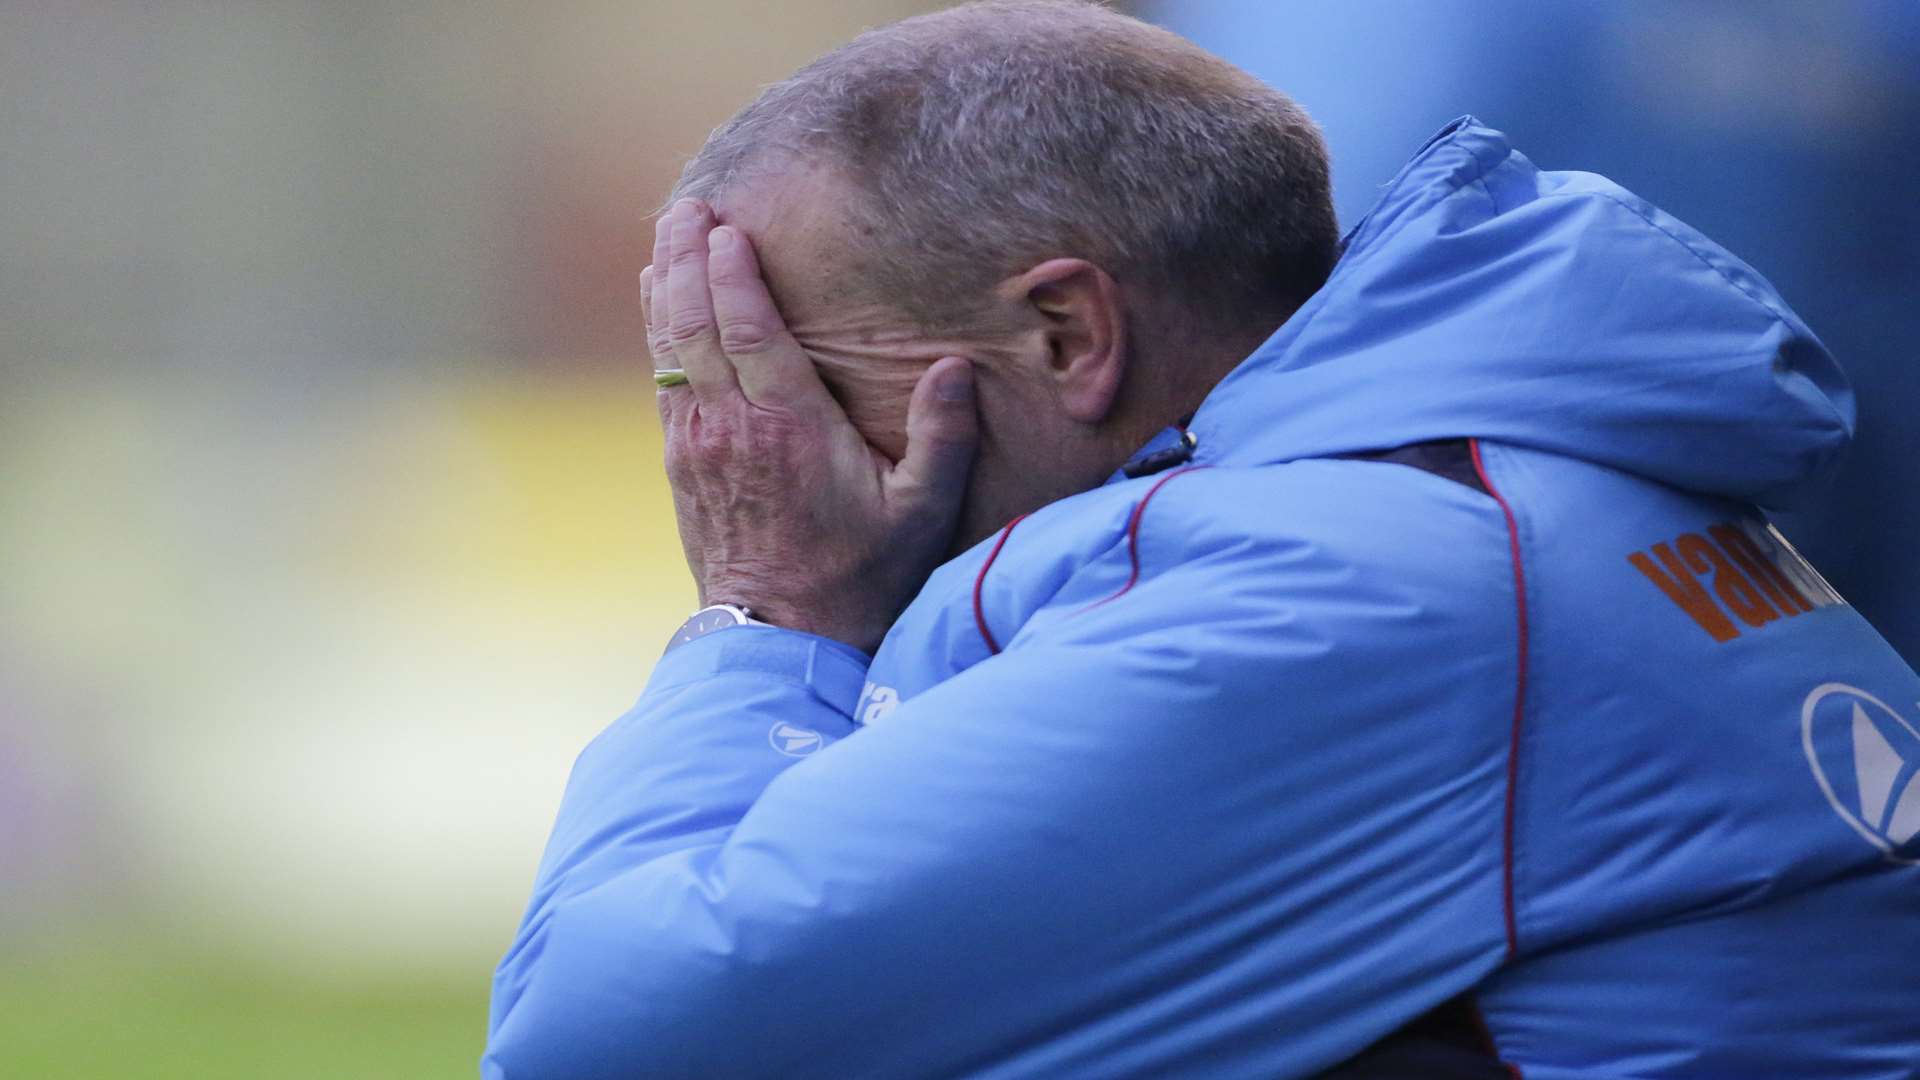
782,502
830,450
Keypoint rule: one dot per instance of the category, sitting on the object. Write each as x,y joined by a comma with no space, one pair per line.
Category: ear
1083,322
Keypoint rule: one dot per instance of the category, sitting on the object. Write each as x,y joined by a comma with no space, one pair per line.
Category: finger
662,249
943,431
646,306
660,350
659,360
770,364
676,408
657,342
690,326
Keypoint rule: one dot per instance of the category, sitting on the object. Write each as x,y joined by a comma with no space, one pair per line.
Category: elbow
521,1055
535,1023
581,997
537,1039
517,1047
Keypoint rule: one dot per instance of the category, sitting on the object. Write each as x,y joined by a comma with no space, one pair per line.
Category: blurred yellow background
331,518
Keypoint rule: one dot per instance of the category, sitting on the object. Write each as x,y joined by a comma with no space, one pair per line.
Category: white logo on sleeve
1866,758
794,740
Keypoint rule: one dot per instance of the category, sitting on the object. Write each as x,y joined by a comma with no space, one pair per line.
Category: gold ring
670,377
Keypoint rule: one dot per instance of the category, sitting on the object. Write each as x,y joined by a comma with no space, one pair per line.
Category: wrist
821,618
712,618
834,671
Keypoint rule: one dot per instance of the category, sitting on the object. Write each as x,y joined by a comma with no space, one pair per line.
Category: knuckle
685,329
731,273
746,335
726,268
678,469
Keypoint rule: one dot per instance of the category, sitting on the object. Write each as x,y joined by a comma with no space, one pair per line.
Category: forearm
719,720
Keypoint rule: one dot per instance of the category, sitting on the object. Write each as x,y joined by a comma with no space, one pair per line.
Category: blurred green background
331,517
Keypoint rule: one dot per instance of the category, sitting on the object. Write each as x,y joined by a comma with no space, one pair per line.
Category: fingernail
720,239
956,385
686,207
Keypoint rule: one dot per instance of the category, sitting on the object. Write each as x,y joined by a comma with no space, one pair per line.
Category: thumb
943,431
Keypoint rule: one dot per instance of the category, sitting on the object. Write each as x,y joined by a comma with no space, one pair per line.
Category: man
1372,669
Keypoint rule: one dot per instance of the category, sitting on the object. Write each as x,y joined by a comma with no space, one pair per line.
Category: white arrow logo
793,740
1885,749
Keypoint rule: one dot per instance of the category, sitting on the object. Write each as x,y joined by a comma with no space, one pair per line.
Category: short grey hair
989,137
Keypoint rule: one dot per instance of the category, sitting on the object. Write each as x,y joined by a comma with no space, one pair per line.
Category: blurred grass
145,1011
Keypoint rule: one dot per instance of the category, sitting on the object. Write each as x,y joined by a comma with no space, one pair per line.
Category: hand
782,505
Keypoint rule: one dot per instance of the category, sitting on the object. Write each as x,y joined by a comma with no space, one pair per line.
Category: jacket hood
1482,297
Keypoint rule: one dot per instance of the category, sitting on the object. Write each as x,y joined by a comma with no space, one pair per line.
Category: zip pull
1162,460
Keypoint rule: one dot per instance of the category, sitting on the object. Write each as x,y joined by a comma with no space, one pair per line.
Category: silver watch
710,619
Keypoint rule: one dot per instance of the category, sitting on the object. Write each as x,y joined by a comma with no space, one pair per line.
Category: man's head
1099,215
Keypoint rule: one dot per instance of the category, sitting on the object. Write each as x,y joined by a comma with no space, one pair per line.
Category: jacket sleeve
1243,818
720,718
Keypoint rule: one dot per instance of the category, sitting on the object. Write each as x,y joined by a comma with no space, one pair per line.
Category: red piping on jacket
1519,698
979,615
1133,536
1133,558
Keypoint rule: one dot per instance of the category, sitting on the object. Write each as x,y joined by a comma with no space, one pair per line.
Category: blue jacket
1453,707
